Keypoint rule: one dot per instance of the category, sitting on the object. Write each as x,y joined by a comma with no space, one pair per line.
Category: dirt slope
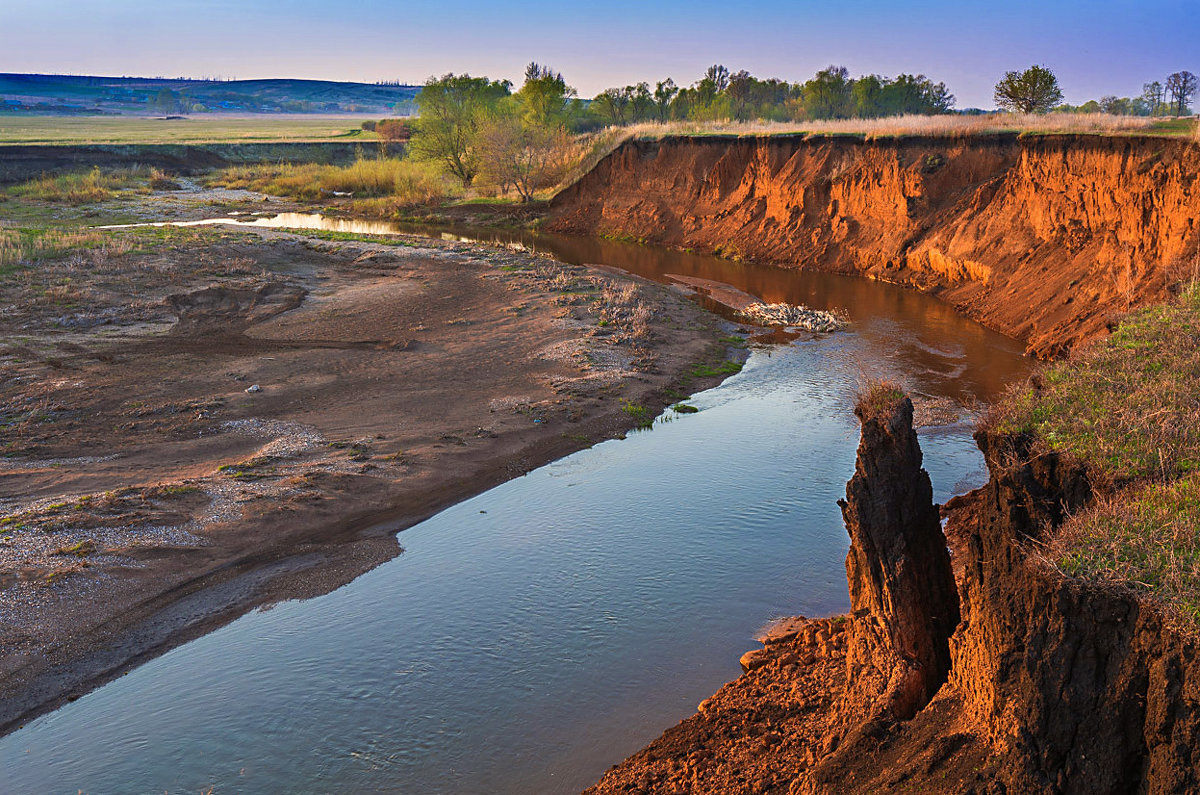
1047,239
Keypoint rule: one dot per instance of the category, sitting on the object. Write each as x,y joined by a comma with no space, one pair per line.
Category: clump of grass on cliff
1128,408
877,396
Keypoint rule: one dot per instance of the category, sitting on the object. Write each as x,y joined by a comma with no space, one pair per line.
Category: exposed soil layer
1045,238
201,429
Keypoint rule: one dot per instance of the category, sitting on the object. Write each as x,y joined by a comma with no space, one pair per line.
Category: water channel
532,636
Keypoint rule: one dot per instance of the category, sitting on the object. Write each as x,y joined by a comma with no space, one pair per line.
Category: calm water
536,634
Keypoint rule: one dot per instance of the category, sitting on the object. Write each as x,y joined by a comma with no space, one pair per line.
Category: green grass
705,370
1128,408
640,414
194,130
352,237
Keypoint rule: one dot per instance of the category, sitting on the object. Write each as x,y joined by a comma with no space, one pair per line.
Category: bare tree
719,75
1182,87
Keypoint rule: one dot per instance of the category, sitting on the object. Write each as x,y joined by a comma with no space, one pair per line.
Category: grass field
192,130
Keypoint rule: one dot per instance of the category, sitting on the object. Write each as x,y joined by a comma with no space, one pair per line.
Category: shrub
394,130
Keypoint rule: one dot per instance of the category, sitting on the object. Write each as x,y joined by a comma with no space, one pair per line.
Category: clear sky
1096,47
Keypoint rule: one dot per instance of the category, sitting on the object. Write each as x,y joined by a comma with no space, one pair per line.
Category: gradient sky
1095,48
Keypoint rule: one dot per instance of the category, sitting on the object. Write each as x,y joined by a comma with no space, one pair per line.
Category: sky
1097,47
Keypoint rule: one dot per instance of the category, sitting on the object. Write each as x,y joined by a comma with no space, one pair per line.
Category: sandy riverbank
238,418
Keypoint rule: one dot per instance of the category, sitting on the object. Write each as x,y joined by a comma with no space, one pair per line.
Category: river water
532,636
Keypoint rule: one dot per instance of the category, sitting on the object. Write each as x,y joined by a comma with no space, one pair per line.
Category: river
532,636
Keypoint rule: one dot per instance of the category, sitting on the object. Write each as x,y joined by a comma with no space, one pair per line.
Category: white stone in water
793,315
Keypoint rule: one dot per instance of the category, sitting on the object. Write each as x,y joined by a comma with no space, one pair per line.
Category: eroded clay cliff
1045,238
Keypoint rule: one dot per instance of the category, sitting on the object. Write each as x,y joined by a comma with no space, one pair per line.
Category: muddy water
536,634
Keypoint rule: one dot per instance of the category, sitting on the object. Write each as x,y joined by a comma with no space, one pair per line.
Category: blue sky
1097,47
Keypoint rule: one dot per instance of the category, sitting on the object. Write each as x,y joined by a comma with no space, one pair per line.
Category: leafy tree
1181,87
394,129
1033,91
612,104
641,101
546,98
452,108
828,94
514,152
665,92
741,91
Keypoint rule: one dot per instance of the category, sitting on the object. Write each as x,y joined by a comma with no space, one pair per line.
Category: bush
394,130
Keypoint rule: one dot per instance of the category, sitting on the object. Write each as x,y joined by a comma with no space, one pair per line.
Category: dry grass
878,396
947,125
585,151
1148,540
399,182
19,246
82,187
620,307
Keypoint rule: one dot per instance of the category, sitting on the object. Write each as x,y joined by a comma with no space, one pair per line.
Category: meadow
191,130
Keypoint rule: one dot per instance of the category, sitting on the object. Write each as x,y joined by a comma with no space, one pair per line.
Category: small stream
532,636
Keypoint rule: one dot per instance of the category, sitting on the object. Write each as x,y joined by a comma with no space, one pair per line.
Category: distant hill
81,94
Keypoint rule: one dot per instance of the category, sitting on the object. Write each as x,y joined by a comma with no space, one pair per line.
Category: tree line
475,127
723,95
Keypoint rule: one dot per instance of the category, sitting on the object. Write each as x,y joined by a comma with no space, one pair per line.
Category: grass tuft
878,396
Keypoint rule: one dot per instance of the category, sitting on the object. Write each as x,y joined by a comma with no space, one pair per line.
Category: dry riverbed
215,420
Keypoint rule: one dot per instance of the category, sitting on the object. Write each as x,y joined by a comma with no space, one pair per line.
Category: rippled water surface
536,634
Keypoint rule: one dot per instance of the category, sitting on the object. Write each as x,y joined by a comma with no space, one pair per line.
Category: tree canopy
452,108
1033,91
